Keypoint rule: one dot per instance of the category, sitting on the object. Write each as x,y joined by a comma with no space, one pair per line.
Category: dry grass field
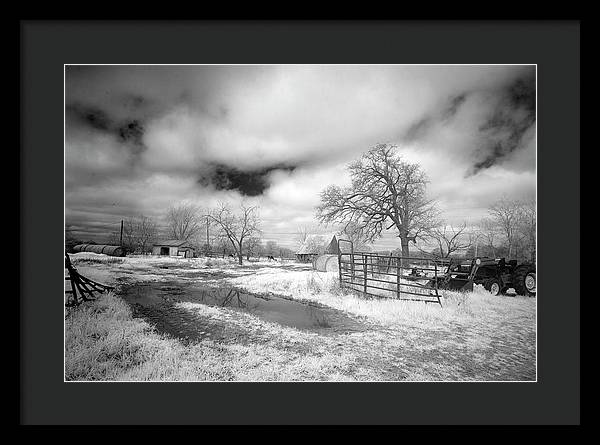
176,319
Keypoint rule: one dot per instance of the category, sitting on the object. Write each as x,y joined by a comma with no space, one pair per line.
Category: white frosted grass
323,287
104,342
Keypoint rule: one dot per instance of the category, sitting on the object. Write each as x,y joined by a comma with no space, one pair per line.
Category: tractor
495,275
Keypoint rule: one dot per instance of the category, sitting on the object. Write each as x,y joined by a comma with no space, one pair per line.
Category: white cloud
316,118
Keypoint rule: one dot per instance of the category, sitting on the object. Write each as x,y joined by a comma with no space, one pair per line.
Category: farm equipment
80,285
495,275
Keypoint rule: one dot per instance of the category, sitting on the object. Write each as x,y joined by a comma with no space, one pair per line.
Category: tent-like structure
316,245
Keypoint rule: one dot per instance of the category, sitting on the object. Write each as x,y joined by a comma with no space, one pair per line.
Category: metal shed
173,248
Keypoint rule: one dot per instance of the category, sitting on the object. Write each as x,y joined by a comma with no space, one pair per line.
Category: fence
376,275
81,286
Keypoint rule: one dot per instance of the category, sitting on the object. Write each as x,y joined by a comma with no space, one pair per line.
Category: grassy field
472,337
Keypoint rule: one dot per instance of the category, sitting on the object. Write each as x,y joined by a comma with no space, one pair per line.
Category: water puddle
156,302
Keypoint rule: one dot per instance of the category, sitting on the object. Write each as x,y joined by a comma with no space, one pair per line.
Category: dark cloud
131,132
419,129
506,114
90,116
247,183
504,129
522,91
127,131
453,105
422,127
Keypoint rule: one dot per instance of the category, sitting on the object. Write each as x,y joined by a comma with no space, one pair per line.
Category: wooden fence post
352,260
398,273
339,252
365,272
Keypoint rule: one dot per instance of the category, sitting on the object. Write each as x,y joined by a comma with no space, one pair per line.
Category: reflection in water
318,317
233,298
156,302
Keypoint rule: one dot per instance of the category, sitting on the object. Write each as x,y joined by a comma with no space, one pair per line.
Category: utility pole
121,238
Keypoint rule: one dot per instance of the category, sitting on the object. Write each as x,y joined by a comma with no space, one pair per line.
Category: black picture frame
45,46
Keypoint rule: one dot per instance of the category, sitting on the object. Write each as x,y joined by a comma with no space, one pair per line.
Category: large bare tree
386,191
236,227
184,221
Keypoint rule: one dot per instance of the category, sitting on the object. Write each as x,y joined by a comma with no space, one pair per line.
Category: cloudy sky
141,138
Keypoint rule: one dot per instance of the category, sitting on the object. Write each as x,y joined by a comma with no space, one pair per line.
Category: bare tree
450,240
302,233
129,236
138,233
222,244
146,232
251,246
386,192
271,248
353,232
527,227
506,213
183,221
488,232
236,228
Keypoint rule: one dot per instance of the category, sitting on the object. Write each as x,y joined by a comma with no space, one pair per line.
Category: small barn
173,248
316,245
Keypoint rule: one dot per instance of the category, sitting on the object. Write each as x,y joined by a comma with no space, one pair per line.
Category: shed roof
316,244
172,243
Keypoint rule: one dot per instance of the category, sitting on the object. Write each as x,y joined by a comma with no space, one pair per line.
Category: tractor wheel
524,280
493,286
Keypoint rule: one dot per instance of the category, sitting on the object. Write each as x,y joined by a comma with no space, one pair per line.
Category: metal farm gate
388,276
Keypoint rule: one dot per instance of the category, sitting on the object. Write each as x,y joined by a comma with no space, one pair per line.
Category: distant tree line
509,231
220,231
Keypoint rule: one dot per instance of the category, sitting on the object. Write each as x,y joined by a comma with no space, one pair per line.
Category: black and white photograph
300,223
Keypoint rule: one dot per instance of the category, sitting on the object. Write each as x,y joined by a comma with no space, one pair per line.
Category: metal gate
388,276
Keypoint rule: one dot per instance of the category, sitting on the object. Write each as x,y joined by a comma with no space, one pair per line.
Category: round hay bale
326,263
100,249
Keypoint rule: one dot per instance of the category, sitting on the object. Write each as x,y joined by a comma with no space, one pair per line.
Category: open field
211,319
